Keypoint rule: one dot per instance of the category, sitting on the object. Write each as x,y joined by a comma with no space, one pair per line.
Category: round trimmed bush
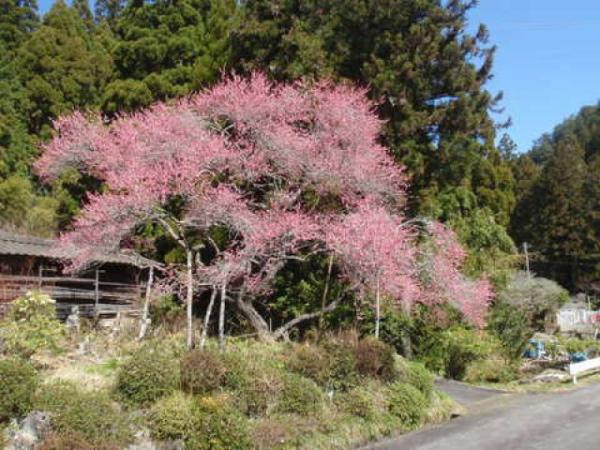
18,381
309,361
172,417
202,371
375,359
357,402
342,364
90,416
148,374
407,403
420,377
301,396
258,392
207,423
221,427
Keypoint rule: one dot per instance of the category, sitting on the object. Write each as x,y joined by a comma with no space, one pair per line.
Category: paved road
559,421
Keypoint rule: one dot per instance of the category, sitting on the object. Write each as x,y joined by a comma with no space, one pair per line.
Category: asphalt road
557,421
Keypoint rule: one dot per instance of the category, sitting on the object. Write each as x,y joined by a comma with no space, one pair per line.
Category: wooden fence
91,294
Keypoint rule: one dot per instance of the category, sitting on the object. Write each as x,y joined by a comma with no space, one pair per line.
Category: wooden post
377,309
324,297
222,316
96,292
525,250
146,310
190,299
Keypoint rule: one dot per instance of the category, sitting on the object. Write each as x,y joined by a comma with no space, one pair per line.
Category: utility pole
525,250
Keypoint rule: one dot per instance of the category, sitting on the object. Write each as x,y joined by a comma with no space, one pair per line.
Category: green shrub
207,423
342,373
172,417
221,427
357,402
18,381
491,371
148,374
167,312
91,416
310,361
407,403
419,377
300,395
202,371
258,391
463,346
508,323
332,365
375,359
31,325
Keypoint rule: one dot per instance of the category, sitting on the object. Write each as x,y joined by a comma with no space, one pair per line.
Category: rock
73,322
29,431
551,376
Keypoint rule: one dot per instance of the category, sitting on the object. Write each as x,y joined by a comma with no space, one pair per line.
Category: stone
29,431
551,376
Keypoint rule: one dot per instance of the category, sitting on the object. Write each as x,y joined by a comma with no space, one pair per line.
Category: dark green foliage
18,18
148,374
300,396
552,217
342,372
108,10
91,416
559,199
417,59
62,67
18,381
375,359
166,50
407,403
508,323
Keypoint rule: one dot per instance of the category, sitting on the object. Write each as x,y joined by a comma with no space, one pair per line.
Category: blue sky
547,64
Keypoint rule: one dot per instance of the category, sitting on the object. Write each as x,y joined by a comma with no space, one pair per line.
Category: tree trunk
377,309
190,299
211,303
324,297
145,319
256,320
222,316
283,330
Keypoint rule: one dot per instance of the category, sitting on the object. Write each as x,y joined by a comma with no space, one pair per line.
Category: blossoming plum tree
287,170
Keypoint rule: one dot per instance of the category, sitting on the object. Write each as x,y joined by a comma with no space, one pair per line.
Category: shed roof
16,244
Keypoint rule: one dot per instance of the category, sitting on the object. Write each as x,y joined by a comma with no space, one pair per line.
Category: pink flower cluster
244,155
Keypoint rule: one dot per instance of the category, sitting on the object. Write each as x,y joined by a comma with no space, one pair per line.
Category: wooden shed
113,283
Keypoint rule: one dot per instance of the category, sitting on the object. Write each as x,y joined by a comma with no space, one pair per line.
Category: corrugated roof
16,244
